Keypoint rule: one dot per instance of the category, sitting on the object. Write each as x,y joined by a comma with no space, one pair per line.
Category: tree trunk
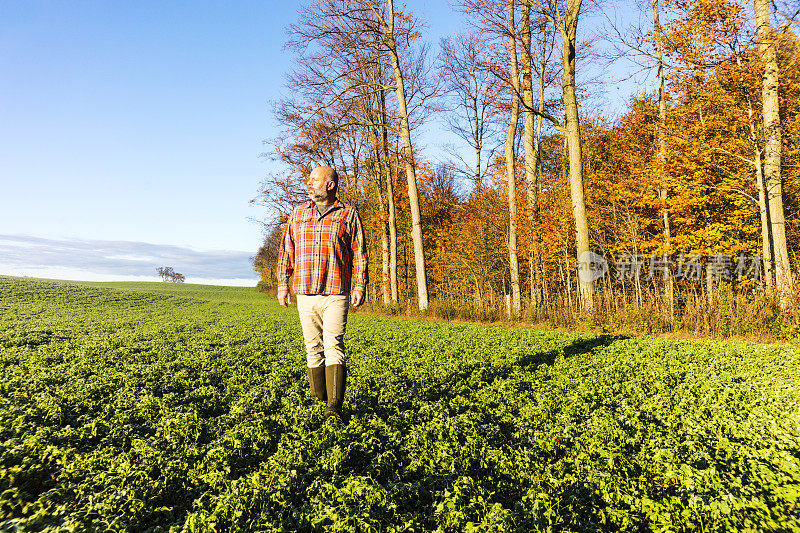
408,157
478,148
529,136
763,206
392,221
662,122
663,193
511,165
377,171
573,135
772,151
375,167
537,290
766,233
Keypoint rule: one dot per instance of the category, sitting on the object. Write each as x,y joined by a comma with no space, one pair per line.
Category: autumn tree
716,53
564,18
767,48
169,274
681,171
267,256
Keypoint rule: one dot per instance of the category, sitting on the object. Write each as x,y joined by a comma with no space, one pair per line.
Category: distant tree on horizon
169,274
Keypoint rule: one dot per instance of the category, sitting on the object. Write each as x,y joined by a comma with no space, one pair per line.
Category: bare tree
164,272
564,16
472,88
496,19
540,63
343,45
390,39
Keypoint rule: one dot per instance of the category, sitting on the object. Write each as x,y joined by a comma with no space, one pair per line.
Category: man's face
317,185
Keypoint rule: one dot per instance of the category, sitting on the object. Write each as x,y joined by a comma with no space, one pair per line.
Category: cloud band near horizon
124,260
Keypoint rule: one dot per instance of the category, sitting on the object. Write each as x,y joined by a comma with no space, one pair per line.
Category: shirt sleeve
286,255
360,256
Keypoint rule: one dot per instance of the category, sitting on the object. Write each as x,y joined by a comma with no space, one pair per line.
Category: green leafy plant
145,407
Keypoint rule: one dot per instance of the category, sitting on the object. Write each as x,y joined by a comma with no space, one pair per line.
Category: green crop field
162,407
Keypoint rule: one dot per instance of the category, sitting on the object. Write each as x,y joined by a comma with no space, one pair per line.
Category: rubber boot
316,380
335,381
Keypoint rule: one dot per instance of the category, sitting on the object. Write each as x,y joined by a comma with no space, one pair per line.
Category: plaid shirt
324,251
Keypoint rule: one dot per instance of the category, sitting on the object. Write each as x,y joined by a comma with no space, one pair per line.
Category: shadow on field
465,379
578,347
530,361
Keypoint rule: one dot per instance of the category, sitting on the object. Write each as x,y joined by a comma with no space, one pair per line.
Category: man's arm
285,263
360,260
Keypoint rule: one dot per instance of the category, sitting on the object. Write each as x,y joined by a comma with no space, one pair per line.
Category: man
324,247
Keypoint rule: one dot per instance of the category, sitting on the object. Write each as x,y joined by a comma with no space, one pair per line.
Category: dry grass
717,312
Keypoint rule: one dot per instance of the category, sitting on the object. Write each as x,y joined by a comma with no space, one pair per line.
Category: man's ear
331,185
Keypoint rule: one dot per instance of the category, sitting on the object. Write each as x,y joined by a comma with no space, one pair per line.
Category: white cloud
131,257
230,282
94,260
21,244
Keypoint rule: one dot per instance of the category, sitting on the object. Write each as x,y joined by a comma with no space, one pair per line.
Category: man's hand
357,298
284,298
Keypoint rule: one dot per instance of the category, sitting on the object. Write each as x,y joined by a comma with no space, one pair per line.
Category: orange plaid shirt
325,253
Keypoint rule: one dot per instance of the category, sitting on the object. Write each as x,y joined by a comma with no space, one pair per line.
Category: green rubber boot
316,380
335,382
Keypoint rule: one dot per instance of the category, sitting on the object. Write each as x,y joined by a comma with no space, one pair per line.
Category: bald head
322,184
327,173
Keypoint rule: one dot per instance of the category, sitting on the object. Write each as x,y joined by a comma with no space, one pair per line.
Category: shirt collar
336,204
310,206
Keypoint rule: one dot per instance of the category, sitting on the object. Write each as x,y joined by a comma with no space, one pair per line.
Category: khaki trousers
324,319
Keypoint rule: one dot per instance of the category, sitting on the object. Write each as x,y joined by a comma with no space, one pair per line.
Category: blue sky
139,126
